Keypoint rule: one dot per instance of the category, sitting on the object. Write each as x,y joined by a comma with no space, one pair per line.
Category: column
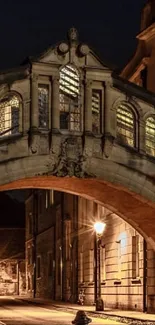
34,102
55,104
141,135
107,108
88,107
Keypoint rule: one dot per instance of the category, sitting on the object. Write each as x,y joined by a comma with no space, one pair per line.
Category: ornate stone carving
63,48
84,49
108,145
73,35
34,143
70,162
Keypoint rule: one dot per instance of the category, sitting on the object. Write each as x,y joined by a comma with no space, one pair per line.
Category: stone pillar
141,136
110,119
55,104
88,107
34,102
150,280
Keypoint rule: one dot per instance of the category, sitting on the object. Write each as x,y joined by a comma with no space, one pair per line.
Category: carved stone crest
70,161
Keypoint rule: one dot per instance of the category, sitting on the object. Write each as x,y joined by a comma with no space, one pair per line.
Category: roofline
133,89
32,59
15,69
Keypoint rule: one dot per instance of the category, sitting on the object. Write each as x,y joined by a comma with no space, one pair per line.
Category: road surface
15,312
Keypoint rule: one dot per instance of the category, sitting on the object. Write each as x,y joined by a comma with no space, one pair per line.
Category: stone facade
65,253
140,69
12,261
98,126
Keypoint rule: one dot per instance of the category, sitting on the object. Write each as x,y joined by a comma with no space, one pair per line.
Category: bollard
99,305
81,318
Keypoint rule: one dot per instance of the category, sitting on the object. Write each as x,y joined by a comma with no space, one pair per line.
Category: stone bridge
68,123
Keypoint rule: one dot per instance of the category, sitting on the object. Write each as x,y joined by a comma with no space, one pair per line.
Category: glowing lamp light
99,227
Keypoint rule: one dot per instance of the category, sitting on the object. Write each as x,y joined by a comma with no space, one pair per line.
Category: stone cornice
133,90
146,34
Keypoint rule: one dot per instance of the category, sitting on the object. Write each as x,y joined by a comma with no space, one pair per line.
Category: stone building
69,123
140,70
63,262
12,261
12,246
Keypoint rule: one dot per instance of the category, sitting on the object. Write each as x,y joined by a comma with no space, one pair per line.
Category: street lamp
99,229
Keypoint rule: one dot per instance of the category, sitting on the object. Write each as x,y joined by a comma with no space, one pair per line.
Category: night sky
28,27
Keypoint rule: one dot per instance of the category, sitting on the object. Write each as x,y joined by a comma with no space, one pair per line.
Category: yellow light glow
99,227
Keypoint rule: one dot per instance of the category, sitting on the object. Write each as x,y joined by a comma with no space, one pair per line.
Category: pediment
73,55
94,61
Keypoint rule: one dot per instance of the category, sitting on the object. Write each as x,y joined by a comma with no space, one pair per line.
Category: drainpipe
18,278
62,247
54,260
77,242
144,276
35,215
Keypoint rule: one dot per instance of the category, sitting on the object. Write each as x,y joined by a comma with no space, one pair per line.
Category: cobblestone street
15,312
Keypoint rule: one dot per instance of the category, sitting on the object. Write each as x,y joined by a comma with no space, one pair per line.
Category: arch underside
133,208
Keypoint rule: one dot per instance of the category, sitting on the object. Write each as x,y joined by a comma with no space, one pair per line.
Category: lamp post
99,229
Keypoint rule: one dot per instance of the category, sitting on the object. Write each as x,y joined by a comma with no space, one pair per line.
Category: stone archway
131,207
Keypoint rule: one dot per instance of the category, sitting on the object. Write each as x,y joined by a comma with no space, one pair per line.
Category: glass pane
125,125
96,109
150,136
43,104
9,115
70,110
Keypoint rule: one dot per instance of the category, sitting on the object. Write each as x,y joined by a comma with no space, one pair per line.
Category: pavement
128,317
20,312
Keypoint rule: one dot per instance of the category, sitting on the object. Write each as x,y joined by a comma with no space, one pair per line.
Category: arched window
150,136
9,115
70,108
125,125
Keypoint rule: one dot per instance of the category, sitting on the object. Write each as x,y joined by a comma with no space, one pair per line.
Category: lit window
43,106
103,263
150,136
70,108
9,115
135,256
91,265
125,125
96,111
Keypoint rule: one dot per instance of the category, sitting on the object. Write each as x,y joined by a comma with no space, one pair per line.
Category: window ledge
91,283
44,131
97,136
136,281
151,158
82,284
67,132
129,148
10,138
103,283
117,282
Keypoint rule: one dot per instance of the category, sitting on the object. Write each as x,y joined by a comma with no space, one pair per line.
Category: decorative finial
73,35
